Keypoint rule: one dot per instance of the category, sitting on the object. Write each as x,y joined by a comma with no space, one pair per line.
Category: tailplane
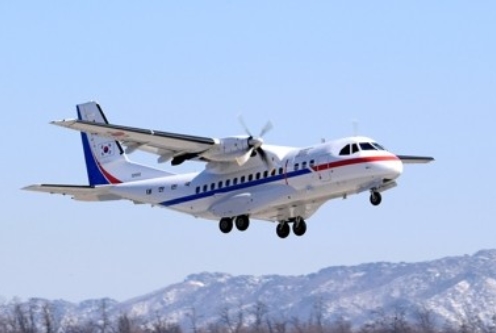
106,161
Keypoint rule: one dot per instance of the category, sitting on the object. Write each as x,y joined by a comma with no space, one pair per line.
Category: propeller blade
245,157
242,122
266,129
264,157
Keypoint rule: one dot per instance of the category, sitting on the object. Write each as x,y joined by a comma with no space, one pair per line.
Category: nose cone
389,167
396,168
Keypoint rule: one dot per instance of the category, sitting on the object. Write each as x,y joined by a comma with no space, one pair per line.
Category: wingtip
30,187
63,122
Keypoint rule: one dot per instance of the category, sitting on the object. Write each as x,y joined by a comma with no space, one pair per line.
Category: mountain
453,289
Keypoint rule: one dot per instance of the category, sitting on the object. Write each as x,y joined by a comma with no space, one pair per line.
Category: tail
106,161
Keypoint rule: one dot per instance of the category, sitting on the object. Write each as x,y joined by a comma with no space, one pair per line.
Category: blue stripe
95,176
235,187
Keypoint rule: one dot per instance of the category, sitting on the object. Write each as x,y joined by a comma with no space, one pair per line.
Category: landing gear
226,224
283,230
375,198
242,222
299,227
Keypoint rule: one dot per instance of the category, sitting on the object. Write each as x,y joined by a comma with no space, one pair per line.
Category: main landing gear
283,230
299,227
226,223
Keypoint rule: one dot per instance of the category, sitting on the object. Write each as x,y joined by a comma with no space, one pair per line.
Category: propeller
255,144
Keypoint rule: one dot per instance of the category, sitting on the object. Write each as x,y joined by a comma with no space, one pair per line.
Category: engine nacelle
228,149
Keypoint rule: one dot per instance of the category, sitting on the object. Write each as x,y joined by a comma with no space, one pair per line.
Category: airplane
244,179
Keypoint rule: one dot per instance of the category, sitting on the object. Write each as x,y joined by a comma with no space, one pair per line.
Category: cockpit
352,148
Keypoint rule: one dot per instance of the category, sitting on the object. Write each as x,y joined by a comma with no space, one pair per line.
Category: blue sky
420,77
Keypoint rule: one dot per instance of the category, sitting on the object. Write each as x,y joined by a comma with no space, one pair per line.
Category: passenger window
212,186
258,175
242,179
228,182
296,166
220,184
273,172
235,181
205,188
312,163
354,148
345,150
161,189
281,171
304,165
173,187
250,177
197,189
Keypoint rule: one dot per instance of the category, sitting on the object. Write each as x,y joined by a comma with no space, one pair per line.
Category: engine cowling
229,149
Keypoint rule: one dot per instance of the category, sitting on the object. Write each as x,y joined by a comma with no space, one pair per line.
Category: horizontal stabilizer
409,159
78,192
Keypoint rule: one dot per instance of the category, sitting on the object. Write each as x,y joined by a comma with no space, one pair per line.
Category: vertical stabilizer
106,162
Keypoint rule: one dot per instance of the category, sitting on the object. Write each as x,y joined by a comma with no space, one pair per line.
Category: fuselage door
323,171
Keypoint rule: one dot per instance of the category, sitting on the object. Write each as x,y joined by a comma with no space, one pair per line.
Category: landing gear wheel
242,222
225,224
299,227
283,230
375,198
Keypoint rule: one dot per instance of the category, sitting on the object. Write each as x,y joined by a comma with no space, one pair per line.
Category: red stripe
111,179
107,175
352,161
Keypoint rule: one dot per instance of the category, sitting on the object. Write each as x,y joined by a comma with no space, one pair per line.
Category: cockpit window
345,150
378,146
354,148
367,146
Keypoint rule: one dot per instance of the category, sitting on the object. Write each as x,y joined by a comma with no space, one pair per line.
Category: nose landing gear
375,198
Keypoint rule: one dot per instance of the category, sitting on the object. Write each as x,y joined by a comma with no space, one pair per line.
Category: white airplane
244,178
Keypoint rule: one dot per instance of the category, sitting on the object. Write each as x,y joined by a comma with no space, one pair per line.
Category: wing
409,159
178,147
78,192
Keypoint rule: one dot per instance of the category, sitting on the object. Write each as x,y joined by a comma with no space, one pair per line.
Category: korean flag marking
107,149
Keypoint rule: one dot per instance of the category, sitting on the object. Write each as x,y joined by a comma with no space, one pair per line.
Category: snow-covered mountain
452,288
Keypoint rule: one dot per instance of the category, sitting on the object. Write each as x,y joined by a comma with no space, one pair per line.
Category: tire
299,228
225,225
375,198
283,230
242,222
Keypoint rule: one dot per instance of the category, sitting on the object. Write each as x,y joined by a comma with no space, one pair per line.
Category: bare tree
161,325
318,314
126,324
193,318
24,318
425,320
259,311
233,325
104,325
341,326
298,326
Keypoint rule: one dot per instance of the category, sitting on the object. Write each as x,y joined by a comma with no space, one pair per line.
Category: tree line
42,317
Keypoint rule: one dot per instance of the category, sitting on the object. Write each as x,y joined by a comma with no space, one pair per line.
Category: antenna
355,127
